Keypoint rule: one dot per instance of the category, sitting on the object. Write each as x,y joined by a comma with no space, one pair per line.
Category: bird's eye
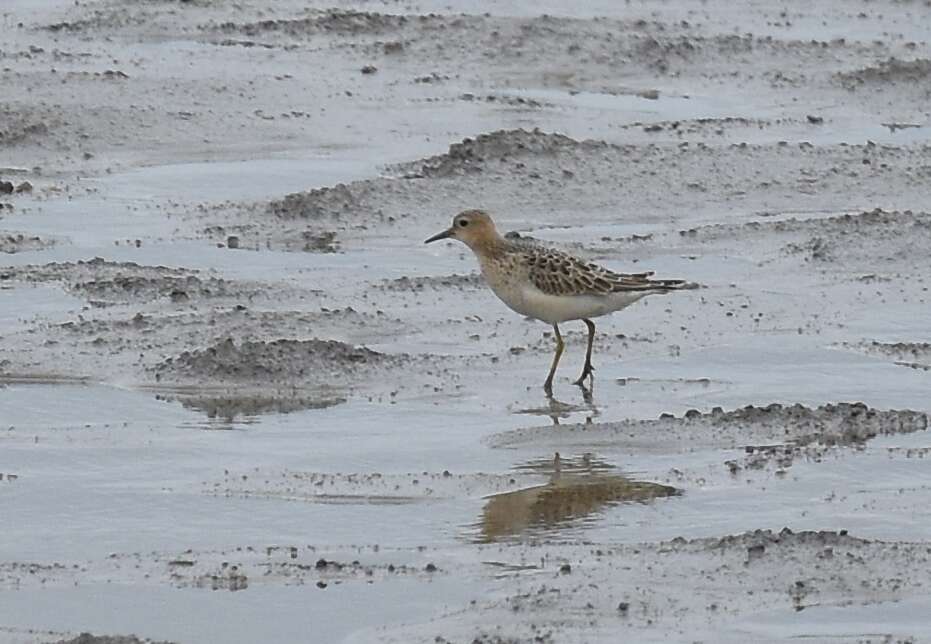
463,223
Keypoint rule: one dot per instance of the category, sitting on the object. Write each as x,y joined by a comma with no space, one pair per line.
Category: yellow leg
588,368
548,385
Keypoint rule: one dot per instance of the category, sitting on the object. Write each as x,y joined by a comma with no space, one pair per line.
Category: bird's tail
642,282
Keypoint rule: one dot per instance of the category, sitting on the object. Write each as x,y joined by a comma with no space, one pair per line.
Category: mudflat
241,401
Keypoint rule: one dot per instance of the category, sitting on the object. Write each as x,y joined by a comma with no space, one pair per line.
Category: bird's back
553,286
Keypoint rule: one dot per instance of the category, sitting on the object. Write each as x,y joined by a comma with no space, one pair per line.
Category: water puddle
261,613
903,620
568,498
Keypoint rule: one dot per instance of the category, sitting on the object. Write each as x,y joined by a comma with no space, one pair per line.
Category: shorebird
549,285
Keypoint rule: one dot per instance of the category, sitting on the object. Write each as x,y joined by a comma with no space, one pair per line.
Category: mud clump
88,638
815,249
785,538
893,70
471,155
916,355
316,204
832,424
18,127
912,349
320,243
275,361
19,243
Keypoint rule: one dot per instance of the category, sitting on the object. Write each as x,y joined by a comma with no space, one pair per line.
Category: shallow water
119,479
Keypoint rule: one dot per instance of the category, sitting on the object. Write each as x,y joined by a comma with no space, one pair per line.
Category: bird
550,285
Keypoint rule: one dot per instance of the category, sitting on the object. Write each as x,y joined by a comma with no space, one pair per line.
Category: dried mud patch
841,424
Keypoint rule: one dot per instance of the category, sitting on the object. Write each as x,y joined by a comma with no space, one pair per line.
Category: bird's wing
557,273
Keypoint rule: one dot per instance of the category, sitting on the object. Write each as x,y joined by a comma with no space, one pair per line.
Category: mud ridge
292,361
104,282
869,238
841,424
330,21
912,72
916,355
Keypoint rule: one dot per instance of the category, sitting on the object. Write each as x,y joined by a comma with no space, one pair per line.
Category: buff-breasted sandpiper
548,284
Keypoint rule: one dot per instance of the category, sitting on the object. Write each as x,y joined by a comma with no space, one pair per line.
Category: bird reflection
558,410
577,488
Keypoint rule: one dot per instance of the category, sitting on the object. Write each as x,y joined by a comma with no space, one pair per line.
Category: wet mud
184,251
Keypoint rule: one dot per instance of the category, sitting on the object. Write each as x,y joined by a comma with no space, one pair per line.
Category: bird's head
474,228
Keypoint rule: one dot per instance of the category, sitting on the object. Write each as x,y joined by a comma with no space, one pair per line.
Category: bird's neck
490,247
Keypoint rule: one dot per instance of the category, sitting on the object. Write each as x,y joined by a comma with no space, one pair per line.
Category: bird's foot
587,372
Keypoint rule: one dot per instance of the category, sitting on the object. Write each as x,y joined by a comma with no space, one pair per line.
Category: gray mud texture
212,217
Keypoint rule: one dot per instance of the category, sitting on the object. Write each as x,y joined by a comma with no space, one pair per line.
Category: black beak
439,236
